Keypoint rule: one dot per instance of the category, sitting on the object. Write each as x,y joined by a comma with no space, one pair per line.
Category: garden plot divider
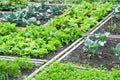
70,48
37,61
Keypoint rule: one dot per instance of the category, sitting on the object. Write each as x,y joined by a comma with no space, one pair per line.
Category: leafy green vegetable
102,36
93,46
20,17
7,28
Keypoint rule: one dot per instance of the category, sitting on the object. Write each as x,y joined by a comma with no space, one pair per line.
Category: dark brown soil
107,59
105,28
25,73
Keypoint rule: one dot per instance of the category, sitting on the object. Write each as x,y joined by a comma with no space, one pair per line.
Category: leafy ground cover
40,40
60,71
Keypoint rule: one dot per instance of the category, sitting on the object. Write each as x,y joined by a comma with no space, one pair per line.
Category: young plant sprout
102,36
112,27
92,46
116,50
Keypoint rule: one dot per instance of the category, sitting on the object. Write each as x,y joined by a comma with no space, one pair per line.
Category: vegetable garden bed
47,41
37,14
66,51
100,50
106,55
40,40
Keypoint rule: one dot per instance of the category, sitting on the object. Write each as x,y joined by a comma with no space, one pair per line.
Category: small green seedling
92,46
112,27
102,36
116,50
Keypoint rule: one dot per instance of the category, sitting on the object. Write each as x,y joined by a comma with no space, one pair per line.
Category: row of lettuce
41,40
68,71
